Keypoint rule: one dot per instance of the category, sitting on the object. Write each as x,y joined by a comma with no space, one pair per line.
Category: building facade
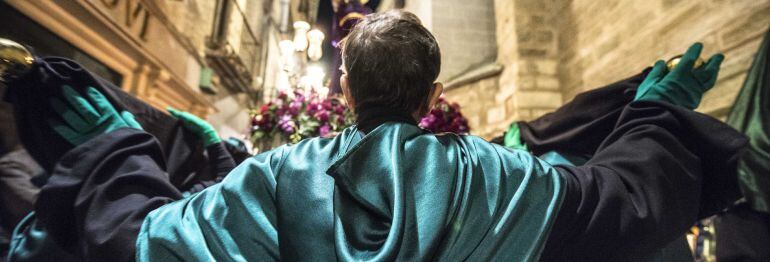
550,51
208,57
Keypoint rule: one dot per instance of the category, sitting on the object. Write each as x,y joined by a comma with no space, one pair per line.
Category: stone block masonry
610,40
552,50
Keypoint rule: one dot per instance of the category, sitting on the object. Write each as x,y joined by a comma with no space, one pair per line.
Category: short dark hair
391,60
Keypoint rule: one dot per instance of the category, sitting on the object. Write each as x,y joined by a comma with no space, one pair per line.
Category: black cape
580,127
184,154
644,185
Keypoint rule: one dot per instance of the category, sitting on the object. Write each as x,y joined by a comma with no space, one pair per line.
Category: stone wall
605,41
483,116
552,50
527,49
465,29
529,52
527,39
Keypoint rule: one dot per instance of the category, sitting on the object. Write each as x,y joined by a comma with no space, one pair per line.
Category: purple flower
445,117
327,104
294,107
428,121
299,97
324,130
322,115
286,124
313,107
340,109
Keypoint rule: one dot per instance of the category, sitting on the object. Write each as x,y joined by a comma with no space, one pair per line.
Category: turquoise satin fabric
31,242
395,193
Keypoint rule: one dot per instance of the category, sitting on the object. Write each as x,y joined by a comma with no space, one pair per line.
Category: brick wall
604,41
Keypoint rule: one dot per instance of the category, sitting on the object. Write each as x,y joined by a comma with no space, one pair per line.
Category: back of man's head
391,60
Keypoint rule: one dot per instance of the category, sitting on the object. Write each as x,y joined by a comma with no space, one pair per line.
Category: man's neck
369,118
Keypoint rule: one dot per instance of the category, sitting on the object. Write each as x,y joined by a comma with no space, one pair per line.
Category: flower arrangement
296,116
445,117
291,117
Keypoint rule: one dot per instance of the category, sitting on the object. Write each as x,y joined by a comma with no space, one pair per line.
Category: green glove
87,118
200,127
513,139
684,85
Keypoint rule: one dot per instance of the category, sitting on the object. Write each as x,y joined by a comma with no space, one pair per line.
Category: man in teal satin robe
386,190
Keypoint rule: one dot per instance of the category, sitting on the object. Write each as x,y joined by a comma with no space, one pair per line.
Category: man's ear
435,94
346,92
438,89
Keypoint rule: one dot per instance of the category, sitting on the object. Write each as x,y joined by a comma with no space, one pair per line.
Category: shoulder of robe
297,156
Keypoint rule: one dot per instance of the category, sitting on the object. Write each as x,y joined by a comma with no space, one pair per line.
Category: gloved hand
198,126
684,85
513,138
86,118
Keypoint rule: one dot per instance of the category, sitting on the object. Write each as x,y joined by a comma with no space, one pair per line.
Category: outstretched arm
100,191
645,184
234,219
220,161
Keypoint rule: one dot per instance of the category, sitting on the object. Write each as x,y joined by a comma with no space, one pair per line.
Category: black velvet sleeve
579,126
220,160
646,184
99,193
182,148
220,164
17,191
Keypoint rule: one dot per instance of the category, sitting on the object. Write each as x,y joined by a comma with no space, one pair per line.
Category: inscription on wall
131,14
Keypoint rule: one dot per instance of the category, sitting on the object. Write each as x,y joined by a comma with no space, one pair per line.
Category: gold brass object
671,63
15,60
